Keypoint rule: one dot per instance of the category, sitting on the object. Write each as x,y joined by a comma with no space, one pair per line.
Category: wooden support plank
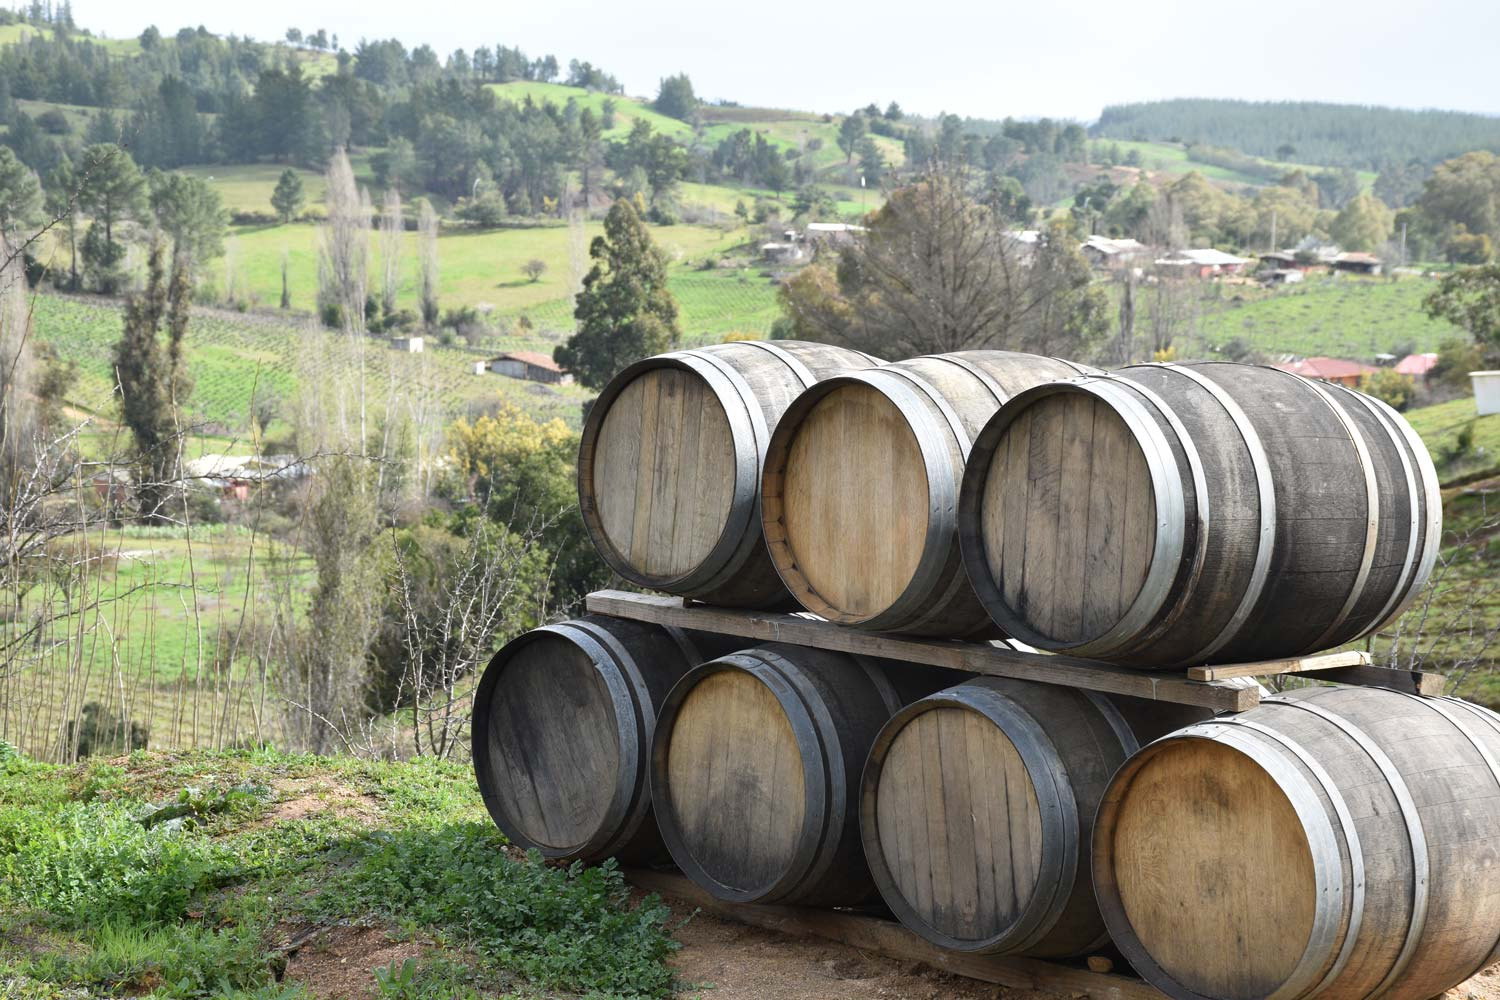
886,937
1410,681
1295,665
977,658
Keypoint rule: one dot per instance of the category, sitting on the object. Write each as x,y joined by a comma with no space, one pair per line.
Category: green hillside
1341,317
1335,135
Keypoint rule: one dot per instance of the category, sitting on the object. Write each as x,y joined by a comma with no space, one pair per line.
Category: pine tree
288,196
625,311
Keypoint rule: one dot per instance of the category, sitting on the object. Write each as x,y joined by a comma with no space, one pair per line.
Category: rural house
1109,254
1204,263
1417,365
1357,263
1338,370
530,365
407,345
780,253
832,233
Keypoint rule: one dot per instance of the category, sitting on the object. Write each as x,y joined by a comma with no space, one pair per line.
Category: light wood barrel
670,459
977,808
1177,514
1337,842
861,483
755,770
562,727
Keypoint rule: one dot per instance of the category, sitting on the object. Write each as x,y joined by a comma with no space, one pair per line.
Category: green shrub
1389,387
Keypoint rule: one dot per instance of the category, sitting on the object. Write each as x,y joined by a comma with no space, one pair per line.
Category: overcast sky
986,59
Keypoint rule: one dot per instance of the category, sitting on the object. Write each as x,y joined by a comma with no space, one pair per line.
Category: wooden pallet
888,938
1202,686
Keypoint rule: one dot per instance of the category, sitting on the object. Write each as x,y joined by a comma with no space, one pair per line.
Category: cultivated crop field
1339,317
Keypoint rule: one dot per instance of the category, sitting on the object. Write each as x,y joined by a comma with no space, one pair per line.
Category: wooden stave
938,600
1061,919
829,868
638,663
737,572
1171,481
1293,746
1264,598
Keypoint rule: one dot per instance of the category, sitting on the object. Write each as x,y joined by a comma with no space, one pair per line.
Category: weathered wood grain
861,478
977,658
1334,841
670,460
1254,514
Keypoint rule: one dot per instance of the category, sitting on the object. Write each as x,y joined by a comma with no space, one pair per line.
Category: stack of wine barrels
1335,840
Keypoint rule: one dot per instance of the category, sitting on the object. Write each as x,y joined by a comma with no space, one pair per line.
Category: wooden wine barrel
1338,842
670,460
1178,514
755,770
976,811
562,726
861,482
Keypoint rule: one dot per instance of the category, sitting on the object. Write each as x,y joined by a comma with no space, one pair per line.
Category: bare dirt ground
722,960
719,960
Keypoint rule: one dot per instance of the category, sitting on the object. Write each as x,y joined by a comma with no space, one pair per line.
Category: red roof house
1329,370
1417,365
529,365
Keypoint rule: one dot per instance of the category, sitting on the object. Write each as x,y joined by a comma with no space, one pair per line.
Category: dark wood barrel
1176,514
977,808
1337,842
562,726
670,460
755,770
861,483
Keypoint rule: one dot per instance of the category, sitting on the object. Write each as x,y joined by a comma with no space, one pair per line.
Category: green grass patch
1461,442
1341,317
480,268
169,876
235,359
627,109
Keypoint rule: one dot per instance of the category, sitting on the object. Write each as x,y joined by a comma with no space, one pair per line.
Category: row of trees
119,202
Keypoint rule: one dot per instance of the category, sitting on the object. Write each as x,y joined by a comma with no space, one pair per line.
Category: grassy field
627,109
248,875
235,359
1442,428
1172,158
1340,317
158,635
248,187
476,268
786,129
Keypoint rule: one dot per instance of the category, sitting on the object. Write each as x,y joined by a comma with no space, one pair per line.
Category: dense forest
1333,135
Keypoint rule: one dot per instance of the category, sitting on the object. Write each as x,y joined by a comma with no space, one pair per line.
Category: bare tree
939,272
1172,308
427,236
391,230
343,266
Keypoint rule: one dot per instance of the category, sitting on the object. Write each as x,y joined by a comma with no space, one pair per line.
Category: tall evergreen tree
153,381
189,211
288,196
625,311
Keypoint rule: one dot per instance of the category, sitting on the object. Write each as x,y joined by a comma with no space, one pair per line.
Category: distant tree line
1335,135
